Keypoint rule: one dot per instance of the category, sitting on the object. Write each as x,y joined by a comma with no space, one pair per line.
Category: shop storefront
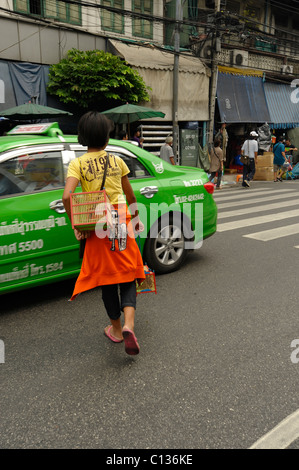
245,101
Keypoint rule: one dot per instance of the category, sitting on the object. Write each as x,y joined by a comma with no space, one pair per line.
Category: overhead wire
287,8
200,21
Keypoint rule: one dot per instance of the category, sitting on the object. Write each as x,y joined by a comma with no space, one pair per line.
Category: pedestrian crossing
278,208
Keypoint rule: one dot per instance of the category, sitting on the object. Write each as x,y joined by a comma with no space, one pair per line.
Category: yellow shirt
89,170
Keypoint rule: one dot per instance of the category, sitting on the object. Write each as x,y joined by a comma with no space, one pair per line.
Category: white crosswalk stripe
275,205
255,209
255,200
267,235
248,194
257,220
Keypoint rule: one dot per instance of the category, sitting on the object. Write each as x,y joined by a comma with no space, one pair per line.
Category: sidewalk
229,181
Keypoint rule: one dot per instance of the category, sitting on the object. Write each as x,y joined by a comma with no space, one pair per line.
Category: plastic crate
89,209
149,284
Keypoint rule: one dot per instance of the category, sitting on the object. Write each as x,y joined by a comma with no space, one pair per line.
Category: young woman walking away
113,267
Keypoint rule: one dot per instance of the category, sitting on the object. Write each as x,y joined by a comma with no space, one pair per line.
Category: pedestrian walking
216,165
223,136
250,149
279,159
112,269
166,151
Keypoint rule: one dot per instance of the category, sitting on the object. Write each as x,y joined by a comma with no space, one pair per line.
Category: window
31,172
128,161
281,21
140,170
233,6
59,10
210,4
137,170
251,11
142,27
295,23
112,21
35,7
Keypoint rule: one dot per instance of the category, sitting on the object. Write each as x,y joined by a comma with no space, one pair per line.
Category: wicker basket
90,209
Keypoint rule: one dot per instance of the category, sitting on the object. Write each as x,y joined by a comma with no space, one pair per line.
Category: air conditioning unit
287,69
239,58
206,50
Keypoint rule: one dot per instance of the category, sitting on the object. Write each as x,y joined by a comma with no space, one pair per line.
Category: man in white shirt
166,151
249,148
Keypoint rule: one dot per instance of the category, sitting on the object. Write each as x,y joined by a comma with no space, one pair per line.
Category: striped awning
283,105
238,71
241,99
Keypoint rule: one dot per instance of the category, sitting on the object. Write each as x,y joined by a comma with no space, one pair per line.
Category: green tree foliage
87,78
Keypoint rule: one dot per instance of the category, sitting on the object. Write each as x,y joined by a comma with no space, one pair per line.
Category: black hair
94,129
122,134
217,142
280,138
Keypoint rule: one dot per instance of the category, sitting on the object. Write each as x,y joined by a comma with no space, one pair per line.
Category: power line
208,25
289,8
150,18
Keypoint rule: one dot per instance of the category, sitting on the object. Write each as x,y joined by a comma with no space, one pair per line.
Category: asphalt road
215,368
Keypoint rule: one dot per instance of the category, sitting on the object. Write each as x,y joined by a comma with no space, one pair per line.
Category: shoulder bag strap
105,171
247,147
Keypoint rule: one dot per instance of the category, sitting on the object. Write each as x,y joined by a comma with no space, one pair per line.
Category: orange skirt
101,266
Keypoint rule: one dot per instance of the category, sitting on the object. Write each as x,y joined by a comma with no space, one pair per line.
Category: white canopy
156,68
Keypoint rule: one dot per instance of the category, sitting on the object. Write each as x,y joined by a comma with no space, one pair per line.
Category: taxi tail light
209,187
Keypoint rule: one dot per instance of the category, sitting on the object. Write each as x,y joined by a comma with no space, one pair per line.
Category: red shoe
131,343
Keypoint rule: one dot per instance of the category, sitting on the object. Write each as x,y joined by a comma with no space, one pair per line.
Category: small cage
90,209
149,284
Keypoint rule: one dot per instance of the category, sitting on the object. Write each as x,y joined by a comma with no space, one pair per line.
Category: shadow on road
35,295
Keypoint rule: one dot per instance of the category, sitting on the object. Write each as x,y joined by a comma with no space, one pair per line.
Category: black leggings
213,174
113,304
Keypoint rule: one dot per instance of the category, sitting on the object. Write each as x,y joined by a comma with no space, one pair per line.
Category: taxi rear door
37,244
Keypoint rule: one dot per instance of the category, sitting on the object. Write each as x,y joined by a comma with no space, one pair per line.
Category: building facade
252,49
229,49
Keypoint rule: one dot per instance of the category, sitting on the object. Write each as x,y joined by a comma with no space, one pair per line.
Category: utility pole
175,123
214,73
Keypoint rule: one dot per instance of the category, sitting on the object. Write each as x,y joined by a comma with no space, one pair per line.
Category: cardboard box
264,174
265,160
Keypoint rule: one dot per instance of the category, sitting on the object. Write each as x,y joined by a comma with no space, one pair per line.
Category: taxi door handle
57,206
149,191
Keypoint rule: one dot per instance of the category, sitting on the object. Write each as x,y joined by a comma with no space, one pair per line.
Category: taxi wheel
165,250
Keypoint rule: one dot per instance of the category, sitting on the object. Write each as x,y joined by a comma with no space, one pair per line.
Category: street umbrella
33,111
130,113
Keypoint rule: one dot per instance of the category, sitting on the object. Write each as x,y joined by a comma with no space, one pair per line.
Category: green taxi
37,243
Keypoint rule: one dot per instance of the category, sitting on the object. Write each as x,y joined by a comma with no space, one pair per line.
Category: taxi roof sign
50,129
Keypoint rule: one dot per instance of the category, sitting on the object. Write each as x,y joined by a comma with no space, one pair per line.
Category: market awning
237,71
156,68
283,105
241,99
